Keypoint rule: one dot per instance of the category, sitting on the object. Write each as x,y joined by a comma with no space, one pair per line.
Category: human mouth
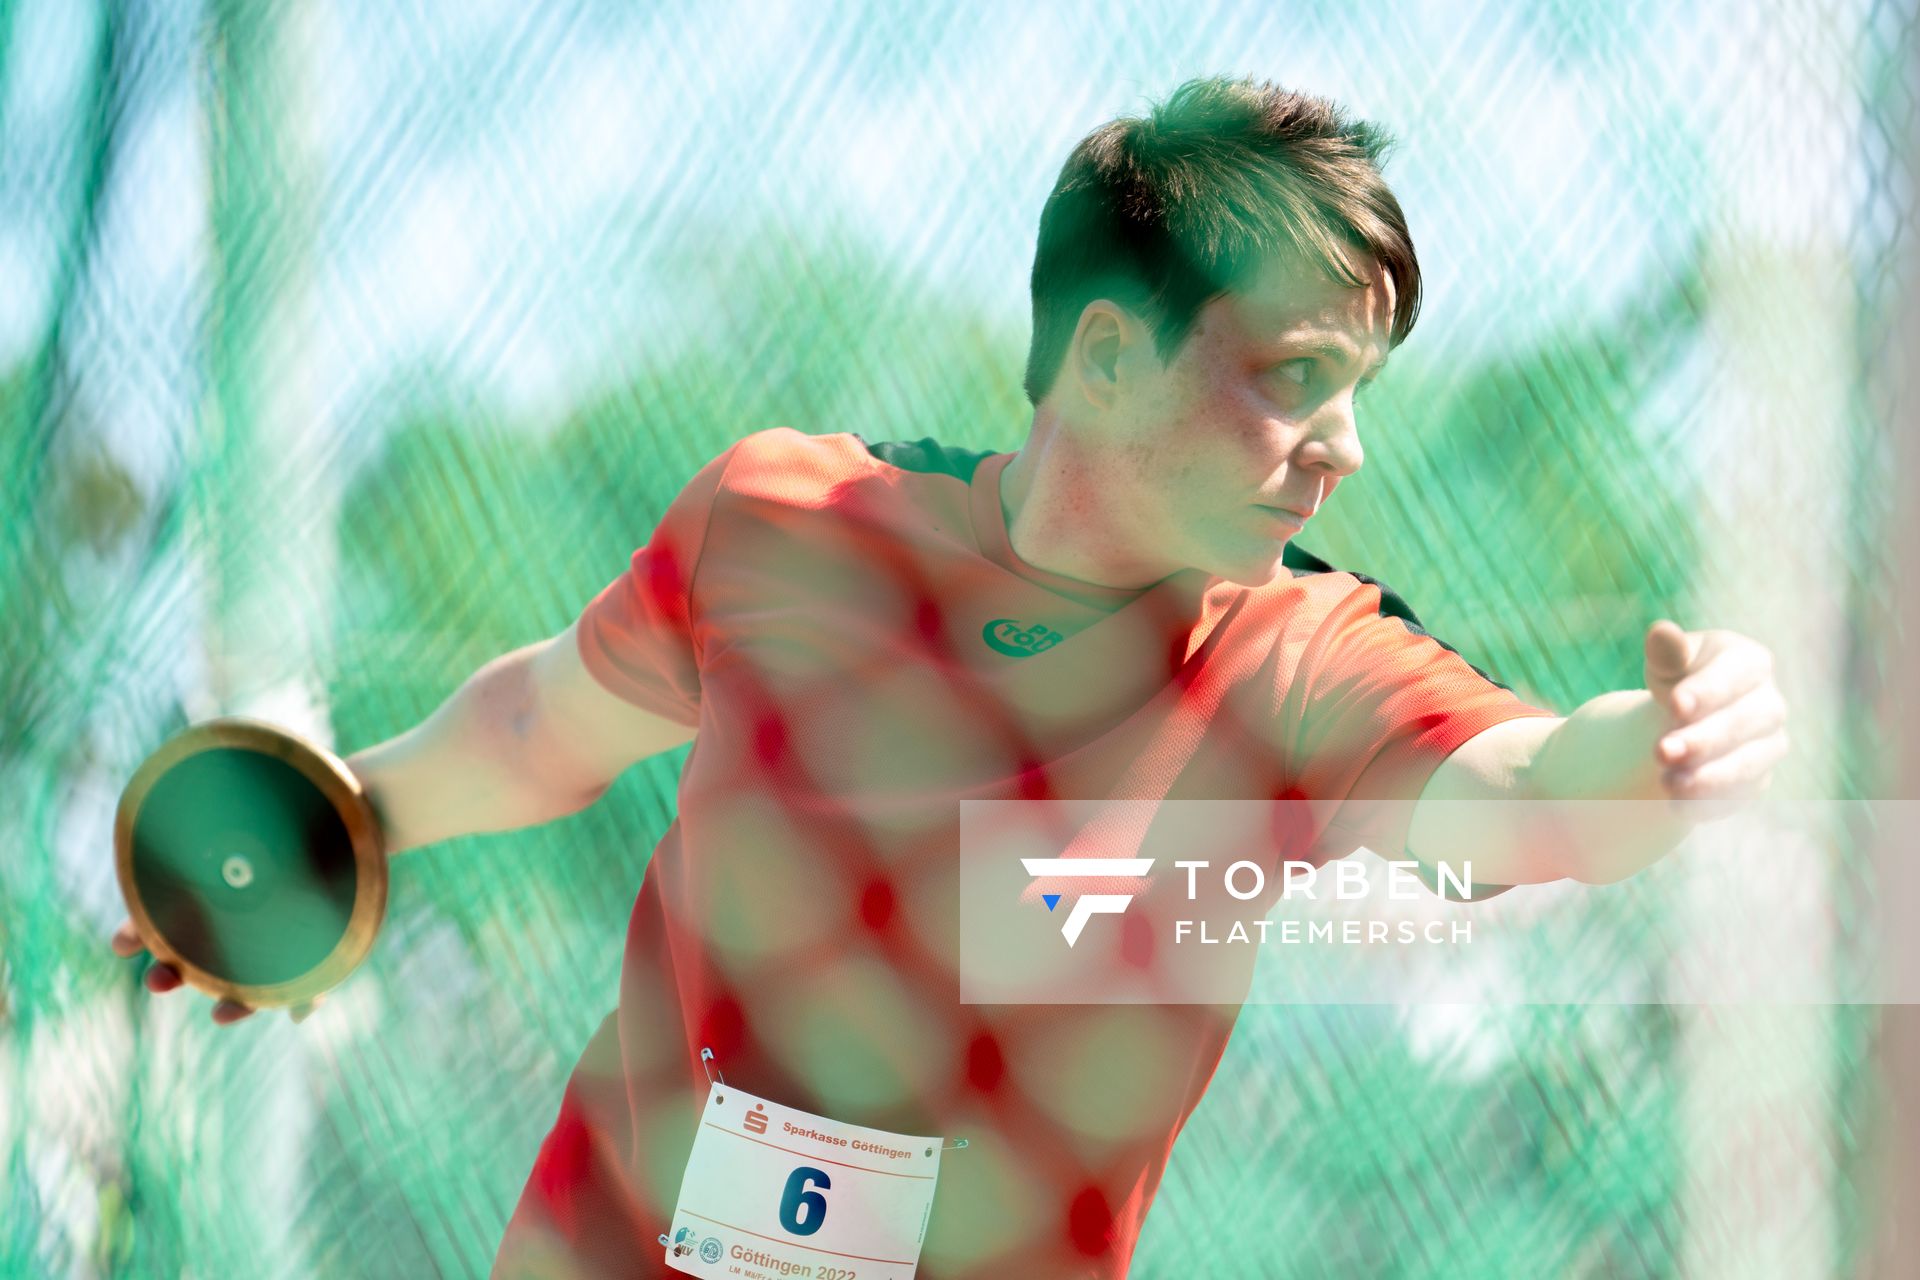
1294,520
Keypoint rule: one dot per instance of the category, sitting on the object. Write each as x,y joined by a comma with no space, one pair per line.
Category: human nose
1332,445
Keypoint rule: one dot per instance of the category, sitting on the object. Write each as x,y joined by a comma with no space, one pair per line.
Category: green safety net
343,348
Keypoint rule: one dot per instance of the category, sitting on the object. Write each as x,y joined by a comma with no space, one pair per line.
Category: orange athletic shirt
861,648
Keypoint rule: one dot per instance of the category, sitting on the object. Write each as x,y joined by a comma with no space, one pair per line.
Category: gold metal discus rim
330,775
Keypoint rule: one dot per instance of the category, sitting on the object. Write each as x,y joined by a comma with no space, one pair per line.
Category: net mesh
344,348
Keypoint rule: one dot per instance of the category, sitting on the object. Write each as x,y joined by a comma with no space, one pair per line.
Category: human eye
1298,372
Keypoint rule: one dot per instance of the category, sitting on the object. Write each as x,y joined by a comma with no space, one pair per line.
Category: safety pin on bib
714,1075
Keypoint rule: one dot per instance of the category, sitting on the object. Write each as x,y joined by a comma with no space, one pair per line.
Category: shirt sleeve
1384,704
638,636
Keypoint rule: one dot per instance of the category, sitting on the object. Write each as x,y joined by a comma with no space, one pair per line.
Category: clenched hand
1726,717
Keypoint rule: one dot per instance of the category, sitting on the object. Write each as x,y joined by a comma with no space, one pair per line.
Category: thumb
1670,652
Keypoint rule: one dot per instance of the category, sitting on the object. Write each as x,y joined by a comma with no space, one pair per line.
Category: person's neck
1056,497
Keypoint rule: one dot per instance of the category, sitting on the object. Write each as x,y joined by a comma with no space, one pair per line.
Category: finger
162,978
1735,671
1669,651
1745,765
227,1012
1754,715
126,941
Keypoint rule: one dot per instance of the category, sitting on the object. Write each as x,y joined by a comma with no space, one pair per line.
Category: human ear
1096,353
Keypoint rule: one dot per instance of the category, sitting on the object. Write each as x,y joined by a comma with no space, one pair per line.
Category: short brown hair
1165,213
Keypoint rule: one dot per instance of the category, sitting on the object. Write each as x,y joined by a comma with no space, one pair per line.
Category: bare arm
1603,751
529,737
1697,743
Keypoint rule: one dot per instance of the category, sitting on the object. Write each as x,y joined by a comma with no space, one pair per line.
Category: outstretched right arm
543,731
530,737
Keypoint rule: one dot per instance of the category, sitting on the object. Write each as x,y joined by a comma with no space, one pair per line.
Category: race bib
773,1192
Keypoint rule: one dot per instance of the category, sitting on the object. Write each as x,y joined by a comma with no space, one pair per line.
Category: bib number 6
803,1209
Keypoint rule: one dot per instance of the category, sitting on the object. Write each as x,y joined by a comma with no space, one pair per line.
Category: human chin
1253,566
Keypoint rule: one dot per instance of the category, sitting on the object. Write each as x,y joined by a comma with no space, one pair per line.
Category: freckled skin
1133,470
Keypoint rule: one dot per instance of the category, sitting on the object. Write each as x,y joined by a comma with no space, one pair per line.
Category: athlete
856,637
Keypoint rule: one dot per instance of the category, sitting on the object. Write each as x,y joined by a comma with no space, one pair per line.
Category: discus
251,861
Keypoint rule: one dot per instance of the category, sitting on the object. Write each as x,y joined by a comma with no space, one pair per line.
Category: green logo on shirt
1004,635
